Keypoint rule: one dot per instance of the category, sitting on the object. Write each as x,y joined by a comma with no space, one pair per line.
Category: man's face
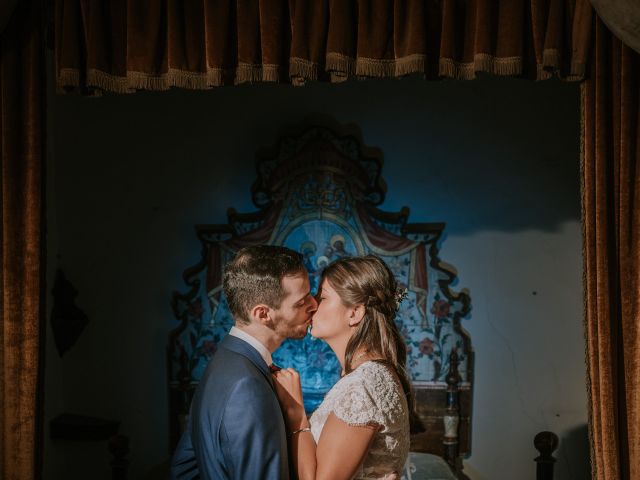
293,317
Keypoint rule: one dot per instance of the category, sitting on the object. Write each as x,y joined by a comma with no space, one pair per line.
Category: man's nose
313,304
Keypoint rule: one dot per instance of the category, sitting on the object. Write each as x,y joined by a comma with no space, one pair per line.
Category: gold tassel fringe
339,67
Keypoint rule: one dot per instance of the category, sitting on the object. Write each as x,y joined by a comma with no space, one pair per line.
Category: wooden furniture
318,191
545,443
81,428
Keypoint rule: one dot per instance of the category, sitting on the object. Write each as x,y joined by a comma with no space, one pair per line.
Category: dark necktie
274,368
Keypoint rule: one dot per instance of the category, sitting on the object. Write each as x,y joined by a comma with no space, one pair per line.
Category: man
235,428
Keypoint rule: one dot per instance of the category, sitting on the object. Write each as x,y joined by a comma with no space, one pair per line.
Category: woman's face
331,320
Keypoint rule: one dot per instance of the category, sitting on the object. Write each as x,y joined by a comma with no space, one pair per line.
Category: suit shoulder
226,367
232,361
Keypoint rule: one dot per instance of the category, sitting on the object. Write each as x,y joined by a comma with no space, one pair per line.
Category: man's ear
260,314
356,314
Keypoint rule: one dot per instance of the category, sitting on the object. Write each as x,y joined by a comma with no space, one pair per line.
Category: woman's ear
356,314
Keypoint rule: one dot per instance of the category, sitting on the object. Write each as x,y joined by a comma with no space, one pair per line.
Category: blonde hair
368,281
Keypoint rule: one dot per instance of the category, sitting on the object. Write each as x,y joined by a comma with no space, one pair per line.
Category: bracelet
307,429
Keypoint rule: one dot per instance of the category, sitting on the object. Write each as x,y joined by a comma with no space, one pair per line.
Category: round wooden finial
546,443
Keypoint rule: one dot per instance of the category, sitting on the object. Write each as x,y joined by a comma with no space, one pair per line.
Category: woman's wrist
297,420
300,430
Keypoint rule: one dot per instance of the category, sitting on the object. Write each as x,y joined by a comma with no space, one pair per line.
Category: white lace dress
370,394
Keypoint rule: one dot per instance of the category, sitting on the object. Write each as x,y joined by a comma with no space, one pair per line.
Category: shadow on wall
573,455
464,143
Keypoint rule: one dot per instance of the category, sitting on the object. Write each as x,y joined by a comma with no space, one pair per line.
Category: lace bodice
370,394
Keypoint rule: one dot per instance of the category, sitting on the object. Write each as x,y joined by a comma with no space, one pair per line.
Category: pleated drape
611,223
124,45
21,156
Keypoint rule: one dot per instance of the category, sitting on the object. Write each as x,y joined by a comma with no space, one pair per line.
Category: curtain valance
125,45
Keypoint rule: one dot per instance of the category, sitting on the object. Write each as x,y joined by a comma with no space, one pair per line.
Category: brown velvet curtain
124,45
21,157
611,223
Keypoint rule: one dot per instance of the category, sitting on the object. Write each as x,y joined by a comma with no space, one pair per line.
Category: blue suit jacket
235,428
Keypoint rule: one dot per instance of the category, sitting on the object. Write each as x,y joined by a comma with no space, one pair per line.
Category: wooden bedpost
545,443
452,415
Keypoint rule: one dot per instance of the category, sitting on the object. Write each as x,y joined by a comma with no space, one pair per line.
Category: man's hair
255,276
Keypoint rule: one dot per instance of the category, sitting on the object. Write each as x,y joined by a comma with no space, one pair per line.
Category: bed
318,191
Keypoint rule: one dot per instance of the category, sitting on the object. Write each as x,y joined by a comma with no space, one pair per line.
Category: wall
495,159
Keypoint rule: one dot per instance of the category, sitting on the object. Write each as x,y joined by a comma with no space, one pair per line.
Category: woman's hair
368,281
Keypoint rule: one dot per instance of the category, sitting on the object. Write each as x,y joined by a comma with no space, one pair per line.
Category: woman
361,429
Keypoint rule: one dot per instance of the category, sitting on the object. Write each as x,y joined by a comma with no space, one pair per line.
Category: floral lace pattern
370,395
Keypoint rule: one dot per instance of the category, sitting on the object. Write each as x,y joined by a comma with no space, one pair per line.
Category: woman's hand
289,391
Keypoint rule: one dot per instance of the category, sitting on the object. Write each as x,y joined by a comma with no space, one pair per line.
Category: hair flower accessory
401,294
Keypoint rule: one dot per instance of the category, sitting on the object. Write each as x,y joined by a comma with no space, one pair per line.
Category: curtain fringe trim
411,64
482,62
342,67
339,67
133,81
301,70
252,73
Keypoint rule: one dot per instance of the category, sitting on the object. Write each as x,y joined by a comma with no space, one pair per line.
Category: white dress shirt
254,342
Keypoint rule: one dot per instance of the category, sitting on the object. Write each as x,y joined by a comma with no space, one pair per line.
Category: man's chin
298,333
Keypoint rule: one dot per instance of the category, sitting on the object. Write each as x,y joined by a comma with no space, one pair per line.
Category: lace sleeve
359,402
356,407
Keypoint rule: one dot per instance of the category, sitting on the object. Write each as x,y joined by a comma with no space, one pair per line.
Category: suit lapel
241,347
